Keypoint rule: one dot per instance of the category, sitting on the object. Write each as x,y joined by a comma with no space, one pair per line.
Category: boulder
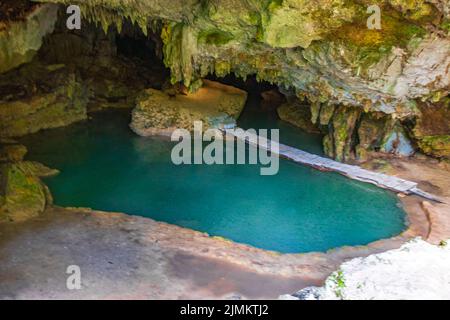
438,146
22,194
417,270
159,113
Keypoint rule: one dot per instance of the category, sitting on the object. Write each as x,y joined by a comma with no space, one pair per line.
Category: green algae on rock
12,152
22,194
341,133
436,145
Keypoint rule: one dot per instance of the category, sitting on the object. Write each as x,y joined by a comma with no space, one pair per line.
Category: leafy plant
339,282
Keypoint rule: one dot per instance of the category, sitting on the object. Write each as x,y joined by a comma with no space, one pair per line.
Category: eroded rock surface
323,51
215,104
297,114
329,54
417,270
432,129
37,97
22,194
22,31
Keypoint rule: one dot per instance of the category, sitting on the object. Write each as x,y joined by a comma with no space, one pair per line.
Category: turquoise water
106,167
254,117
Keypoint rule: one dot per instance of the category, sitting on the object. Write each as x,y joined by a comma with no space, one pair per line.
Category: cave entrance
114,66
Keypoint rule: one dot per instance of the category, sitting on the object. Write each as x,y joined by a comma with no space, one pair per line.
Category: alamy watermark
227,147
73,281
73,22
374,21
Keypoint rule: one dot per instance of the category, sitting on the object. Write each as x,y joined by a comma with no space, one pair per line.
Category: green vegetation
339,283
214,37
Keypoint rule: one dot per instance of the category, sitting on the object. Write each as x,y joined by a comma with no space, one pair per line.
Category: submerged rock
159,112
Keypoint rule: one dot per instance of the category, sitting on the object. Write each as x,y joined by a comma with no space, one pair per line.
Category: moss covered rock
159,112
23,195
371,132
438,146
326,113
339,143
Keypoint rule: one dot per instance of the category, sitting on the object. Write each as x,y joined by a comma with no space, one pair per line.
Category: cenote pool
107,167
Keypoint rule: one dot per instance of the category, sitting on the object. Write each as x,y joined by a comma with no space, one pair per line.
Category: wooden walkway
325,164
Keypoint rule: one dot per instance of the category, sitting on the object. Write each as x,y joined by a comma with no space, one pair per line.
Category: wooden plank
351,171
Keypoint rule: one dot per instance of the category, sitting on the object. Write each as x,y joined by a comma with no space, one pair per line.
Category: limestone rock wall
74,72
48,96
20,40
297,114
322,50
432,128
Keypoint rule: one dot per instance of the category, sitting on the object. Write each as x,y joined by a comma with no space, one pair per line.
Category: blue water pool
107,167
